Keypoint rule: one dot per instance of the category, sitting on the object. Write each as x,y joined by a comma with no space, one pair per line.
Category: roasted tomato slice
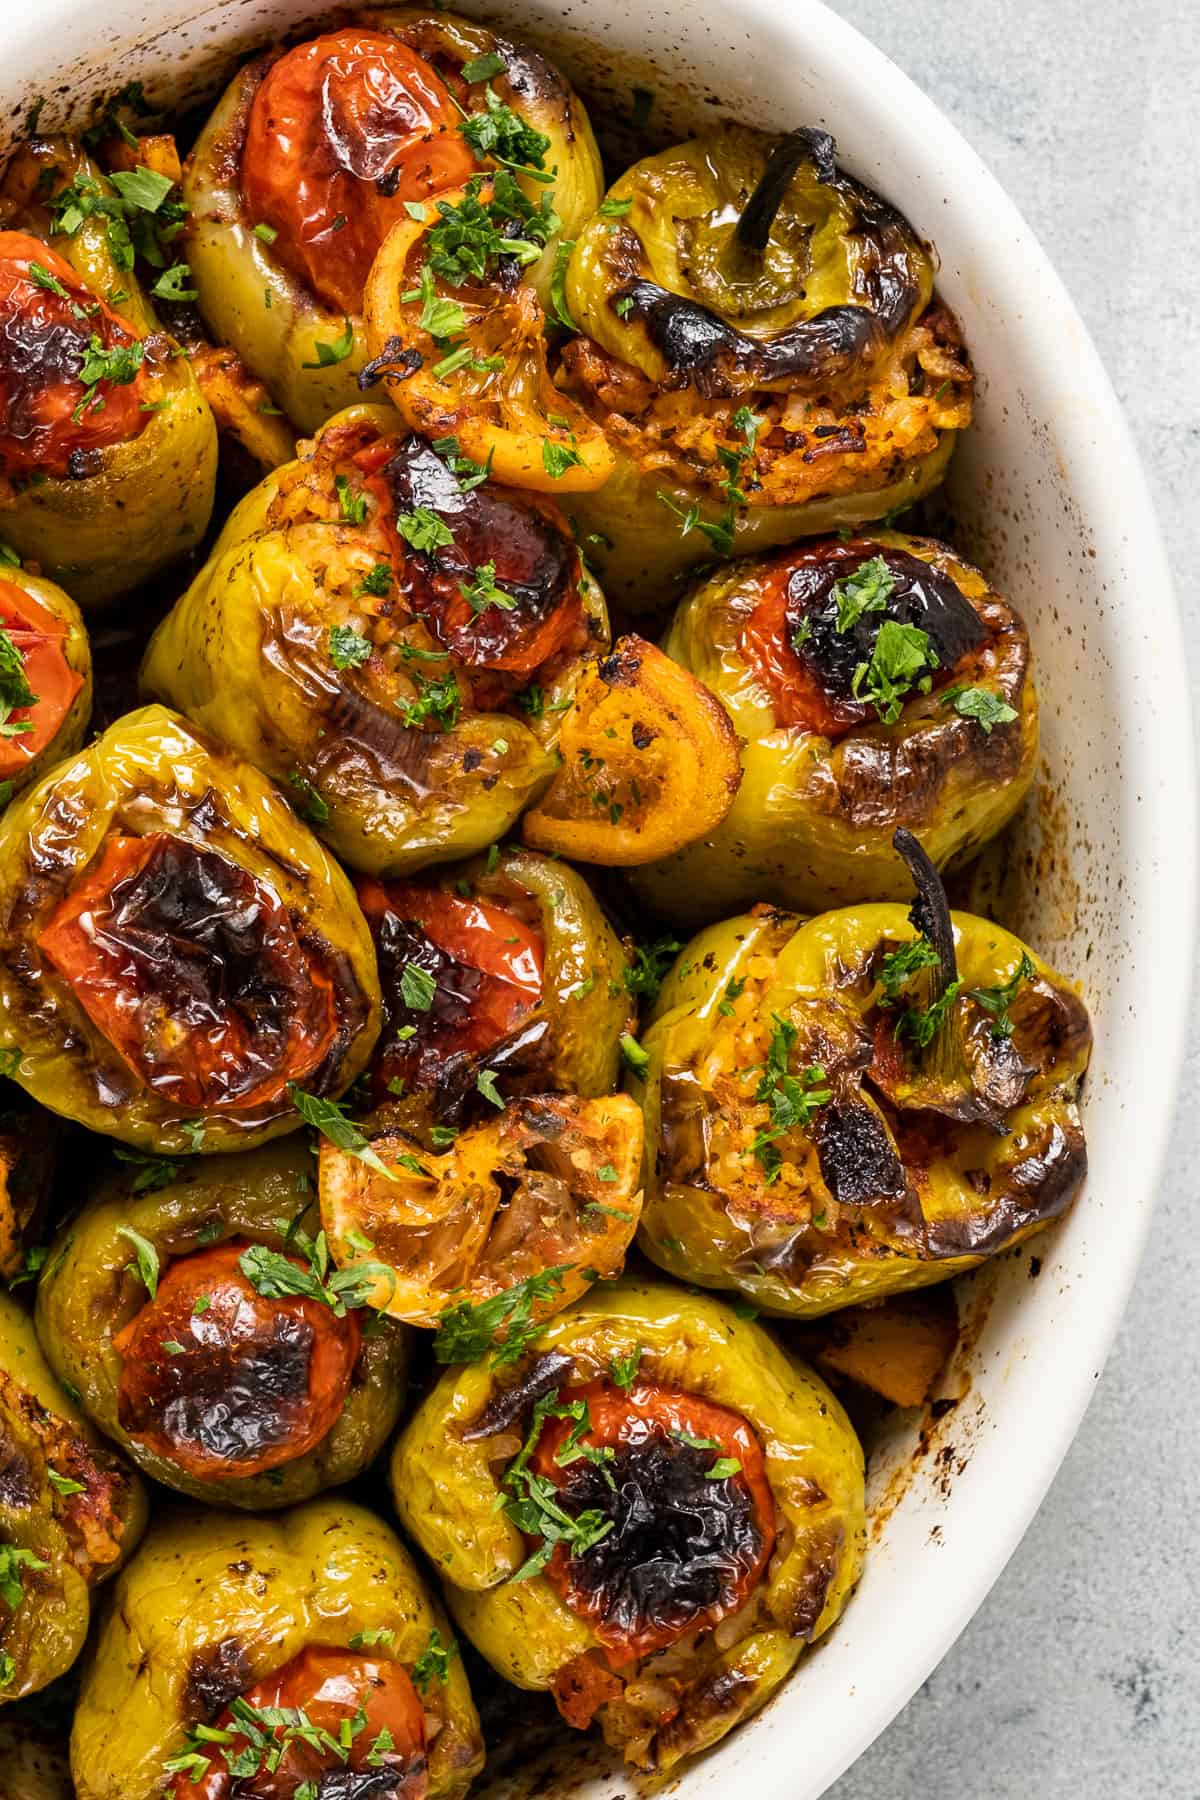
499,583
485,965
816,626
686,1496
226,1382
344,132
191,968
51,326
333,1696
650,762
31,663
470,360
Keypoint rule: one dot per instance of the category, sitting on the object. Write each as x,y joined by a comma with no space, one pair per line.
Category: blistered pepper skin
71,639
216,1602
811,826
830,340
90,1290
445,1488
273,320
152,778
245,654
939,1195
81,1536
149,500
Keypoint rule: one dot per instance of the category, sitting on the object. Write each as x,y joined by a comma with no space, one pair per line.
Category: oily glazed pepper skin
46,628
558,992
217,1603
914,1167
129,508
90,1292
197,868
81,1536
825,781
396,781
831,336
445,1476
391,89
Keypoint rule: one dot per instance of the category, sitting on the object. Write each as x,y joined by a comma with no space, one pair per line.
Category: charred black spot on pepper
215,1676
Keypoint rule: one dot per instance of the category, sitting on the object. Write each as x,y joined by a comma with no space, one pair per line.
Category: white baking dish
1100,876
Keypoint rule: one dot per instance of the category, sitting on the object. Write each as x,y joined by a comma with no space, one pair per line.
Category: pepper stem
930,911
758,215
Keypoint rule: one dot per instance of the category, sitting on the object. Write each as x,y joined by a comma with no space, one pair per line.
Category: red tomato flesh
329,1687
248,1383
342,132
191,968
44,339
38,638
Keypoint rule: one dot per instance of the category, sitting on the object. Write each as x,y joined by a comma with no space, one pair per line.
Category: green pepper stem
758,215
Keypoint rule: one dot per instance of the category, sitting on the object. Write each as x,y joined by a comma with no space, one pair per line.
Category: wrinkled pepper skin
121,1046
216,1602
90,1290
832,337
445,1483
81,1536
270,314
811,825
138,505
47,628
913,1171
247,651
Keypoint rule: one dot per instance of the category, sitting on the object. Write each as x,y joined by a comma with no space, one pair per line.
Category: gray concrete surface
1080,1677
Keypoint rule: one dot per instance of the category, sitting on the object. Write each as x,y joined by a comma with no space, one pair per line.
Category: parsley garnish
645,974
145,1258
64,1484
900,965
329,1118
531,1501
466,1332
558,285
482,68
793,1100
723,1468
276,1276
997,1000
466,471
376,581
352,507
172,284
614,209
987,709
867,590
336,352
44,279
371,1638
720,532
433,1664
154,1172
439,698
499,133
624,1369
15,690
483,592
923,1025
468,241
119,366
902,657
417,986
347,650
312,806
558,458
424,530
13,1559
637,1058
485,1082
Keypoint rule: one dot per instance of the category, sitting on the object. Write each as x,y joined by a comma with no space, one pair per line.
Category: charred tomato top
685,1491
343,133
458,974
226,1382
356,1732
37,684
192,969
72,372
815,632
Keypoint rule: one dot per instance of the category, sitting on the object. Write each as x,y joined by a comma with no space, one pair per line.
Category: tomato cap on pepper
50,427
249,1382
192,970
485,961
686,1549
38,638
331,1687
343,131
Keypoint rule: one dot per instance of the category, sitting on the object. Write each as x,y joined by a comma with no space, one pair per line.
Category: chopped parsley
735,462
466,471
42,278
372,1638
433,1664
987,709
145,1258
482,591
438,698
558,285
467,1331
903,656
440,317
997,1000
485,1082
531,1501
154,1172
502,135
312,806
793,1100
558,458
922,1024
328,354
624,1369
329,1118
352,507
645,974
172,284
277,1277
614,209
723,1468
65,1484
424,530
118,366
482,68
13,1561
376,581
900,965
347,650
266,233
417,986
867,590
15,690
470,237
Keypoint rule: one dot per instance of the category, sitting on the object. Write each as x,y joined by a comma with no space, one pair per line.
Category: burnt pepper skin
217,1604
213,1389
735,1449
804,1150
71,1510
766,390
175,946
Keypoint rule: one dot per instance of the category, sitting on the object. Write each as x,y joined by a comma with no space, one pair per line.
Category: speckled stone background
1080,1677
